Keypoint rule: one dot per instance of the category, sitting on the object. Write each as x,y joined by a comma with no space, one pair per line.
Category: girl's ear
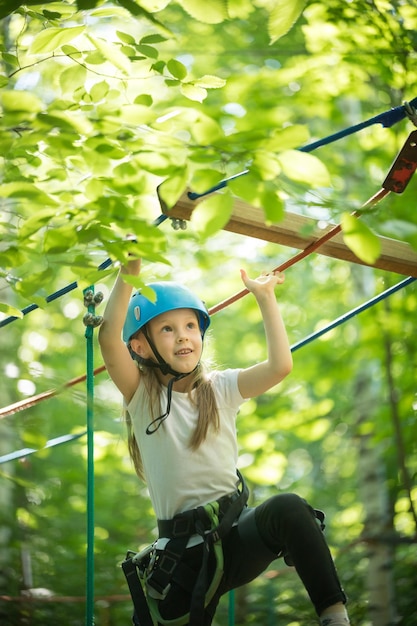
140,346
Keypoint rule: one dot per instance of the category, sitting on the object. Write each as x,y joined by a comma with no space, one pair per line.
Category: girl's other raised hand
265,283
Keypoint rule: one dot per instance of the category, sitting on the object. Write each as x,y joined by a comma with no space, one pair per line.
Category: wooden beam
298,231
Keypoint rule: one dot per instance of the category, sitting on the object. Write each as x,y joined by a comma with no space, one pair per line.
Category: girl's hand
265,283
131,267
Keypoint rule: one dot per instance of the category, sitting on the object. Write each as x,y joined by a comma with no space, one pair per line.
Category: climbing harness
150,573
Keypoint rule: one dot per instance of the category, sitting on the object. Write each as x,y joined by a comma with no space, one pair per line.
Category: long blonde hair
204,399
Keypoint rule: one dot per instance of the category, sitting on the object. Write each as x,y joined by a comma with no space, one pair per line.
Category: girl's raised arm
258,378
120,365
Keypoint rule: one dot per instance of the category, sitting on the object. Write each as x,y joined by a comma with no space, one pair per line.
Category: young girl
182,438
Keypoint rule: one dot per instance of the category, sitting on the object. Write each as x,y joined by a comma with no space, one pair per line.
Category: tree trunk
378,523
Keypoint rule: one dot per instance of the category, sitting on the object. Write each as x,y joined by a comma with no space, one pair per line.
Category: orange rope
59,599
312,247
29,402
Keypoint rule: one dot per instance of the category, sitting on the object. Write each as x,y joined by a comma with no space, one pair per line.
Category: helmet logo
136,313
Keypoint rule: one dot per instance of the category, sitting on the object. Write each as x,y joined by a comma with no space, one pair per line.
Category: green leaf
203,180
59,239
10,59
144,99
192,92
142,11
287,138
304,167
209,81
147,51
71,78
153,39
177,69
85,5
266,164
28,191
171,189
111,53
125,37
247,187
212,12
36,222
156,162
51,39
21,101
99,91
212,214
10,310
283,16
205,130
51,15
66,120
273,206
360,239
35,284
137,283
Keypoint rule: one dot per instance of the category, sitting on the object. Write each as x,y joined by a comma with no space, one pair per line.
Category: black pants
283,525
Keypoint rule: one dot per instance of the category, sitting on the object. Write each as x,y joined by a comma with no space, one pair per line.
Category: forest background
101,102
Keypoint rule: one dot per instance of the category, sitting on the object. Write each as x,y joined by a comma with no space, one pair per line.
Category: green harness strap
212,511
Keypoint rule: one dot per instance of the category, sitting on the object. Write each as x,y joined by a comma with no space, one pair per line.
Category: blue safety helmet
169,296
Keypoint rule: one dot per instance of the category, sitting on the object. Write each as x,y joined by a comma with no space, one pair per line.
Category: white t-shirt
178,478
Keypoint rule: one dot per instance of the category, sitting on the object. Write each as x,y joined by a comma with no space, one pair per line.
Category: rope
91,320
29,402
312,247
53,296
231,611
347,316
387,119
24,452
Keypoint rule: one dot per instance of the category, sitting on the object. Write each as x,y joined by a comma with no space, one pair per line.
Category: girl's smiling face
177,337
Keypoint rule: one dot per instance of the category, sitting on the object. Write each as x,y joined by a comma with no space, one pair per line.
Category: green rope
90,321
231,608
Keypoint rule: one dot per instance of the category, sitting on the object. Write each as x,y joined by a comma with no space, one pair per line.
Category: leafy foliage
101,103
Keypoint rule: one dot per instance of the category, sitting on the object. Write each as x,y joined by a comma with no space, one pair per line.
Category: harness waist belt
192,522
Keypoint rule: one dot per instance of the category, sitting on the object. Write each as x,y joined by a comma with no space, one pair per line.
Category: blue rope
52,296
387,119
352,313
23,452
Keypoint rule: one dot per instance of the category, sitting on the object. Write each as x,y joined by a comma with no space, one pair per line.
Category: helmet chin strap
165,369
